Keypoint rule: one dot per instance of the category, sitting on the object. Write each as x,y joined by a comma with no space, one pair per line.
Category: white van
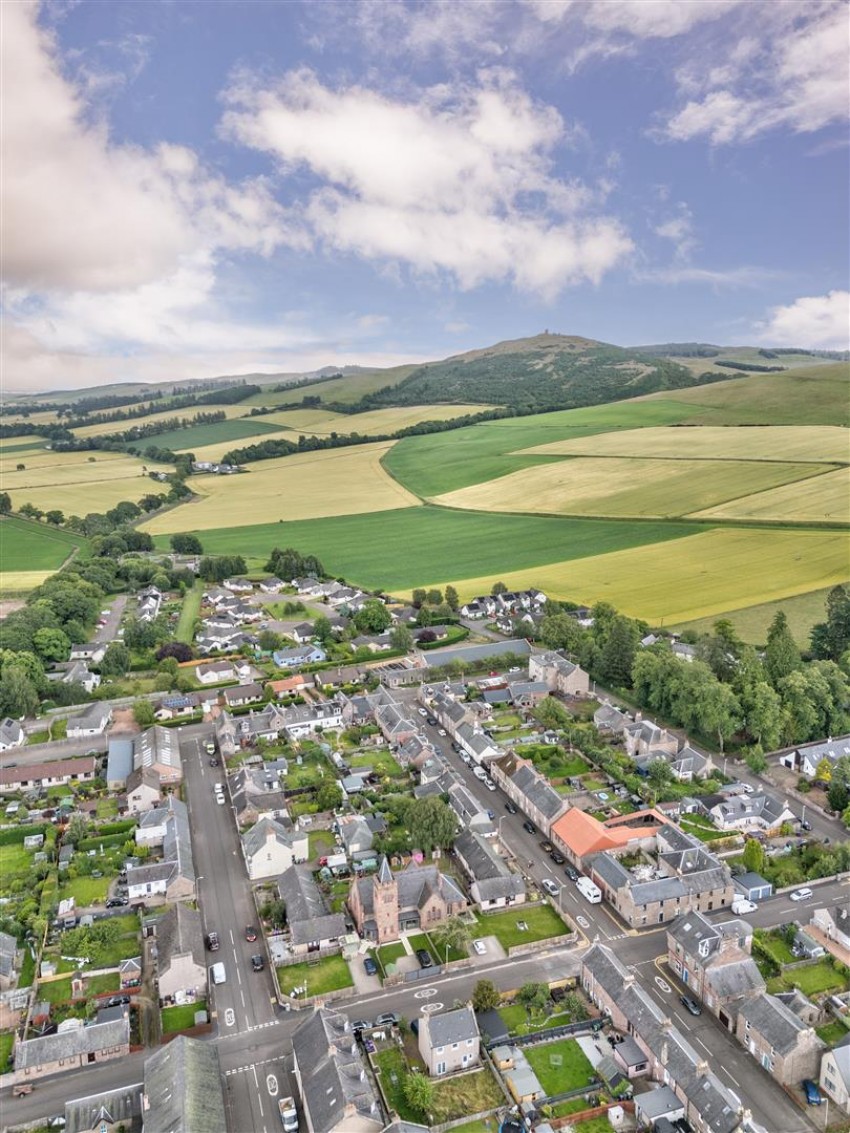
589,891
742,905
219,976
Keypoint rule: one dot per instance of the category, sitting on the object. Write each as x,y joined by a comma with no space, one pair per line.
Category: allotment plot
623,487
346,481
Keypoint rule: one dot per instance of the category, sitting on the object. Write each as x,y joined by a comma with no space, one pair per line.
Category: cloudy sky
195,188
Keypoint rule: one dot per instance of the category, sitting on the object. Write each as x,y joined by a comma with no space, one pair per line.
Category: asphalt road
109,630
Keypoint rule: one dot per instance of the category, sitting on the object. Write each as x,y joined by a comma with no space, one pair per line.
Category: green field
560,1066
752,622
30,546
419,545
346,390
236,429
542,921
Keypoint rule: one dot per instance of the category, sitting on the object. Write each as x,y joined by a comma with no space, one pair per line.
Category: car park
250,933
257,963
510,807
529,826
690,1005
369,966
479,947
424,958
801,894
388,1019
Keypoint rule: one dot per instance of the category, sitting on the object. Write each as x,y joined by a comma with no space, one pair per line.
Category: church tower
385,902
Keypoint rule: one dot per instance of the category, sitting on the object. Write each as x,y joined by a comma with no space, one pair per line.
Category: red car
250,933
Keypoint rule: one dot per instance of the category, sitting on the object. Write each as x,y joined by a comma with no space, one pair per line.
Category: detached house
807,759
558,673
386,904
92,721
270,848
751,812
11,734
450,1041
785,1046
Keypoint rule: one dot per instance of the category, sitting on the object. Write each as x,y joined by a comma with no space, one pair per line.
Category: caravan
589,891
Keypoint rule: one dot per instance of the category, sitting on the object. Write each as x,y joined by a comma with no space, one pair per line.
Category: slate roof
8,948
481,861
840,1055
415,884
735,978
122,1106
93,715
332,1072
327,927
533,786
254,840
178,933
303,898
183,1088
71,1044
776,1023
451,1027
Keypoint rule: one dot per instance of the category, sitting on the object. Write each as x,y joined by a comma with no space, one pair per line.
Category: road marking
271,1085
426,993
242,996
583,921
701,1043
728,1075
229,1017
662,983
427,1008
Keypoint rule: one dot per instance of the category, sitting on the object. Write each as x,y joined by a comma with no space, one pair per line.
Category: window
441,1068
439,1049
455,1046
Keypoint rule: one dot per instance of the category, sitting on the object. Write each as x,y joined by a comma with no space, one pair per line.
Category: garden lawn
180,1018
320,843
574,1072
813,979
422,941
191,609
393,1068
382,762
515,1019
773,943
329,974
389,954
55,991
832,1033
704,833
7,1041
86,890
14,859
468,1093
107,808
485,1125
543,923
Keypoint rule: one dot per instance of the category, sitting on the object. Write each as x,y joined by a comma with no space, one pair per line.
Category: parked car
801,894
422,712
491,786
550,886
571,873
250,934
510,807
690,1005
810,1089
369,966
388,1019
424,958
546,846
213,941
529,826
805,825
479,947
414,1026
442,732
479,773
557,857
117,902
257,963
432,720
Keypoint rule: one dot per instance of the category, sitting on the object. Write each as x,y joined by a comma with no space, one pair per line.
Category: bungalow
493,884
289,686
785,1046
92,721
270,849
73,1048
312,927
374,643
242,694
558,674
56,773
177,704
11,734
531,792
271,585
337,1094
78,673
148,603
302,633
92,652
238,585
298,656
449,1041
336,678
607,718
761,811
808,758
181,964
214,672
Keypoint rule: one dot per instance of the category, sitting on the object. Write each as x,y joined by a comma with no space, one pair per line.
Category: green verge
26,545
397,550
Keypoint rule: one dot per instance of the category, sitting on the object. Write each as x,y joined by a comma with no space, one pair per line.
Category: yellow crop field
22,581
622,487
74,482
819,443
188,413
816,499
698,576
310,485
379,421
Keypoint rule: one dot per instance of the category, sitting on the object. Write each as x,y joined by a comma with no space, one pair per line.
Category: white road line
232,941
728,1075
701,1043
238,975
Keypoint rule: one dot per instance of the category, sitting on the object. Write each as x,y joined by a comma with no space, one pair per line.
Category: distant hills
545,371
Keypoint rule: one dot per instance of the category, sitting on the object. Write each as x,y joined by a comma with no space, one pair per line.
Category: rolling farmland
708,575
347,481
26,545
164,414
819,499
379,421
74,482
623,487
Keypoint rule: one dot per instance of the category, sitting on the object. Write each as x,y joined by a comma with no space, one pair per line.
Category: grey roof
610,870
334,1082
775,1022
628,1051
177,846
451,1026
8,948
96,714
840,1055
119,761
751,880
327,927
159,745
121,1106
537,790
658,1102
736,978
301,894
71,1044
183,1088
179,933
436,658
255,839
480,859
414,883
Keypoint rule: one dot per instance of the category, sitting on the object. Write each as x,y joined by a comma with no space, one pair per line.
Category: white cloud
457,182
815,322
654,19
791,71
680,230
742,276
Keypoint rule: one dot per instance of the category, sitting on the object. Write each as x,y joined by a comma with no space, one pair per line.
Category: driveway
109,630
365,985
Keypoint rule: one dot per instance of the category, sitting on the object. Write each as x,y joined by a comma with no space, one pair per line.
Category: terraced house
713,959
337,1094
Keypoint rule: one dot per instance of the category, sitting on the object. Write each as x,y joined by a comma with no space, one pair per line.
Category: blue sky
193,189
